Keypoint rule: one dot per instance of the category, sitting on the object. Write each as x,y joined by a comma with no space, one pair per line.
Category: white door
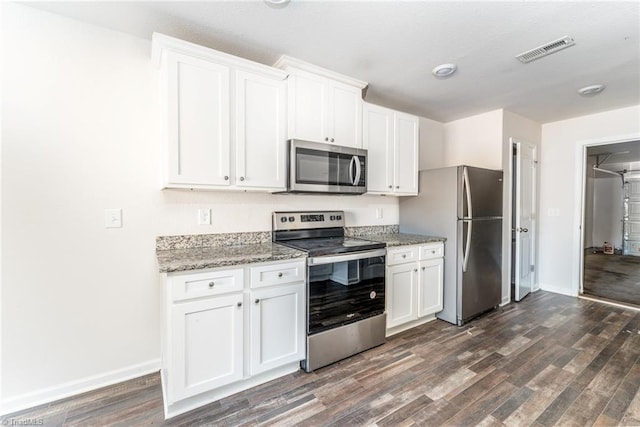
406,154
277,327
307,107
344,115
206,346
378,141
430,286
401,293
198,133
525,218
261,139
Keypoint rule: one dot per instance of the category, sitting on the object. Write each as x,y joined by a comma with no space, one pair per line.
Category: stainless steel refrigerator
463,204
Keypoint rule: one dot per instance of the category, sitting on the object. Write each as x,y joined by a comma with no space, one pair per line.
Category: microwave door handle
351,169
356,160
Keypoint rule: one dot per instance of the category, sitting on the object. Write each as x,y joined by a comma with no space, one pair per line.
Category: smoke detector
545,49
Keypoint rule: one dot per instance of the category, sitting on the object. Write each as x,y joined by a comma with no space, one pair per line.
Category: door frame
515,142
579,201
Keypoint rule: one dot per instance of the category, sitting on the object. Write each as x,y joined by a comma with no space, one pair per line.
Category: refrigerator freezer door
480,286
481,187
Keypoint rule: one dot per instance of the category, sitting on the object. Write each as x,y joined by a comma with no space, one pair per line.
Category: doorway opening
523,219
611,232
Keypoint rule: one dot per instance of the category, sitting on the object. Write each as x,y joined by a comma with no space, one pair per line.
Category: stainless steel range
345,285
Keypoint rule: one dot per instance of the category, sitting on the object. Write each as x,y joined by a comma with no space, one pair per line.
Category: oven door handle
347,257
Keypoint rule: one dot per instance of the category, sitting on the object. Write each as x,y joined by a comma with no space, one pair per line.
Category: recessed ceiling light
591,90
445,70
277,3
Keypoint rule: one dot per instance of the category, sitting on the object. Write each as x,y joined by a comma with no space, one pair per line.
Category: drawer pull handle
279,274
212,284
257,300
239,304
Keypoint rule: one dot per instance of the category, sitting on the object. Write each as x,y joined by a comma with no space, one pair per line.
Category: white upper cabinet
323,106
392,141
226,119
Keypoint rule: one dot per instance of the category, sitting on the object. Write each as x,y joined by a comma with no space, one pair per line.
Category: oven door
316,167
343,289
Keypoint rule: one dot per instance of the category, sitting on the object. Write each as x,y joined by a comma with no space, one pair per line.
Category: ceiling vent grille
545,49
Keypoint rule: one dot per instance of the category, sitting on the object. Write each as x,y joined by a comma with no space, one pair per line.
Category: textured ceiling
394,46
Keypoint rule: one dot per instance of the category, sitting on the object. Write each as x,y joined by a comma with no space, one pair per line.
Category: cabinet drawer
276,274
204,284
402,254
434,250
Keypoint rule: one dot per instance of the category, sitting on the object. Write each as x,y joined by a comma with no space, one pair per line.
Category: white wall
432,144
559,188
475,141
81,133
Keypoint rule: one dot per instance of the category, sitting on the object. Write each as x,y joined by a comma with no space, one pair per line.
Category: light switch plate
553,212
379,213
113,218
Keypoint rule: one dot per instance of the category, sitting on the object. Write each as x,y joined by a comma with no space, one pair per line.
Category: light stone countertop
401,239
222,256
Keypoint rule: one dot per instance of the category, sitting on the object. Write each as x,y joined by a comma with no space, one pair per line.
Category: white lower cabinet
277,327
226,330
207,349
414,285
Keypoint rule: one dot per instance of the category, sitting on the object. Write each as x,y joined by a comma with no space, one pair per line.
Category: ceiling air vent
545,49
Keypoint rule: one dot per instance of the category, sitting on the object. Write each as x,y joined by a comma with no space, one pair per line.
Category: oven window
326,168
345,292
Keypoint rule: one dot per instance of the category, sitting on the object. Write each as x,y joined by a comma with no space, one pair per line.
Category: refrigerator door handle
467,190
467,248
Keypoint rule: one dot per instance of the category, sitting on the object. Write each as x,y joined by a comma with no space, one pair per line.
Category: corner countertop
401,239
174,260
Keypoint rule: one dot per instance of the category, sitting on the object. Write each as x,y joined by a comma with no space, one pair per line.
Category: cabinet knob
242,178
257,300
433,252
239,304
226,178
397,186
279,274
404,255
211,284
390,187
331,140
424,268
326,138
415,270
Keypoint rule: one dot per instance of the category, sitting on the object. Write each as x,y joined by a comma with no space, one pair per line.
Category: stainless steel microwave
316,167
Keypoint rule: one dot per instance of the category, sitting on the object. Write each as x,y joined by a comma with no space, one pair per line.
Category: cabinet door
198,122
401,293
406,154
261,140
206,345
277,327
344,115
378,140
307,107
430,287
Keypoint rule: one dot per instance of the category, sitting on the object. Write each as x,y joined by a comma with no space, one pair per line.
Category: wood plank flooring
614,277
548,360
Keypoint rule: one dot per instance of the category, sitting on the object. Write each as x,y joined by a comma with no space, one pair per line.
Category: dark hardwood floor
548,360
614,277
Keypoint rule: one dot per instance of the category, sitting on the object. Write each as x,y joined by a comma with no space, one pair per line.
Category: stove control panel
307,220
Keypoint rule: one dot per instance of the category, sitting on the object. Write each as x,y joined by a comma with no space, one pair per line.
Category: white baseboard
50,394
558,290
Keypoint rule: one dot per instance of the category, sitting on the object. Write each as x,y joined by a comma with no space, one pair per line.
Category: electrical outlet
204,216
113,218
379,213
553,212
